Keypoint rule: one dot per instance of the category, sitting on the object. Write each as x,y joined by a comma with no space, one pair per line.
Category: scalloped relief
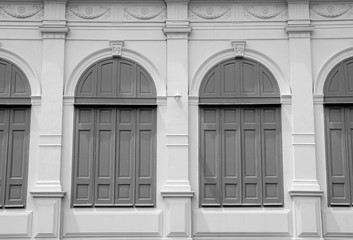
21,11
88,12
209,12
144,12
330,10
264,11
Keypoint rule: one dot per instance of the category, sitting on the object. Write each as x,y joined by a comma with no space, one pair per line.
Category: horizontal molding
299,193
47,194
177,194
303,138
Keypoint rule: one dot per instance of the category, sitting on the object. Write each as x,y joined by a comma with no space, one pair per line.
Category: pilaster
48,192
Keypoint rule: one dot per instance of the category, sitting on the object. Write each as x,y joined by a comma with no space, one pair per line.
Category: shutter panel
350,150
17,158
338,180
210,157
251,162
271,156
125,157
83,159
231,169
105,157
4,123
145,157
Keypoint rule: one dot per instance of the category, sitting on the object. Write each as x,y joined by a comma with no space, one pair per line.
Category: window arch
240,136
115,128
15,104
338,100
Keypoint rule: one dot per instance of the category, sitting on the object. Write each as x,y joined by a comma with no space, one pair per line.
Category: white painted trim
327,66
159,81
27,69
228,53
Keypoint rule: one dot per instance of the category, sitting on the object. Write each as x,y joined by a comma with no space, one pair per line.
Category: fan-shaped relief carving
22,11
209,12
88,12
265,11
330,10
144,12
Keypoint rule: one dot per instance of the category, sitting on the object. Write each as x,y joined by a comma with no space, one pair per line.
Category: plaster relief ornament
144,12
264,11
22,11
88,12
239,48
117,48
330,10
209,12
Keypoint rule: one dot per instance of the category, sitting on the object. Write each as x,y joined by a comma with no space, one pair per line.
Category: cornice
177,194
177,1
298,193
48,194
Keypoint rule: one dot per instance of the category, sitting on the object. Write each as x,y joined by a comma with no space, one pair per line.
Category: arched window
15,103
240,136
338,100
115,142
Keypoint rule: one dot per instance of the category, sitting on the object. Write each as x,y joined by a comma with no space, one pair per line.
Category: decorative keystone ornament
239,47
117,47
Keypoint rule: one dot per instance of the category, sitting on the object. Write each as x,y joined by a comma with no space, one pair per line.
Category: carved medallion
144,12
209,12
21,11
330,10
88,12
264,11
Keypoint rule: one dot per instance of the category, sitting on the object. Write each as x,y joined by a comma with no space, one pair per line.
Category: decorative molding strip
299,31
177,194
54,32
144,12
286,99
22,11
210,12
318,99
264,11
298,193
330,10
88,12
117,48
239,48
47,194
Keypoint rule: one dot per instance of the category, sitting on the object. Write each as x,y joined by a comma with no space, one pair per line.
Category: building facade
176,119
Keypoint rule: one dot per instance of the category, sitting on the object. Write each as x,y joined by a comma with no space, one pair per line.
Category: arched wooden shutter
14,134
338,100
115,142
240,143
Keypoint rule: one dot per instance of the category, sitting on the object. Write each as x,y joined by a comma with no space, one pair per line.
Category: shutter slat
16,176
105,157
145,157
271,156
83,159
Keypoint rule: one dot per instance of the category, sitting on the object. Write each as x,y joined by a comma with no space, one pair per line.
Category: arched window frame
116,96
338,110
15,104
229,92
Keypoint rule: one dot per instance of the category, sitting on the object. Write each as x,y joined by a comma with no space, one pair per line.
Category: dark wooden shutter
105,156
231,157
145,157
271,156
18,143
125,158
251,158
83,160
210,157
337,154
349,115
4,125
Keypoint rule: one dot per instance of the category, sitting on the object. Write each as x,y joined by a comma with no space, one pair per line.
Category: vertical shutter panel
125,157
105,157
271,156
145,157
337,156
251,162
231,170
210,157
350,150
4,123
83,159
17,158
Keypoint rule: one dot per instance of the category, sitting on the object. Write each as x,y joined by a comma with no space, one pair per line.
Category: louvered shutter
4,125
271,156
83,159
18,142
145,157
105,156
210,157
337,162
251,158
231,157
350,145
